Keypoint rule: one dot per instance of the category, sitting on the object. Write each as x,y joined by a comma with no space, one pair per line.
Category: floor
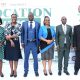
31,75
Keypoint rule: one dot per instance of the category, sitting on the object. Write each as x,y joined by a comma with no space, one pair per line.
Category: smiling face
47,21
30,16
13,18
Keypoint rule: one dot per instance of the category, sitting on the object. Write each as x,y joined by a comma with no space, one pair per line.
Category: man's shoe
36,74
76,72
66,72
25,74
59,73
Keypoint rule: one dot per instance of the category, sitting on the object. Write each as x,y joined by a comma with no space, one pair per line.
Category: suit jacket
24,32
60,36
76,37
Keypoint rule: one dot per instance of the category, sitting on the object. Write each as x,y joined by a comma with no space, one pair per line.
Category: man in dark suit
76,45
63,42
30,41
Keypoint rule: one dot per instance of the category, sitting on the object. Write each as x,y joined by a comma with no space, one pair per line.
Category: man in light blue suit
30,41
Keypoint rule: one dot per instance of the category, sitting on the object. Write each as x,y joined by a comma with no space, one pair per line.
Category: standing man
63,42
30,41
76,45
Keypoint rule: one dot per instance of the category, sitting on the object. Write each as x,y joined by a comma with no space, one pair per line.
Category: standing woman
2,39
12,48
47,37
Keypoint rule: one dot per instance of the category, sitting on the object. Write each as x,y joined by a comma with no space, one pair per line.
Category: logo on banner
22,13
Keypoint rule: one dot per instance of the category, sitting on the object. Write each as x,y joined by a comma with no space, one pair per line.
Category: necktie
30,24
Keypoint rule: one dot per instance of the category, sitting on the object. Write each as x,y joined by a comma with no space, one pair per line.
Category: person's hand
22,44
14,36
8,37
49,41
12,43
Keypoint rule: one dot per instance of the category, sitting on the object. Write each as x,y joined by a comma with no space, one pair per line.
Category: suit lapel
67,29
61,29
26,26
26,29
36,29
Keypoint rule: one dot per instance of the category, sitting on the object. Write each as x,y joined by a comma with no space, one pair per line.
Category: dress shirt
33,24
64,27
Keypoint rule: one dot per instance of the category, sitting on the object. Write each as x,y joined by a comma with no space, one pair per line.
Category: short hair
0,20
13,14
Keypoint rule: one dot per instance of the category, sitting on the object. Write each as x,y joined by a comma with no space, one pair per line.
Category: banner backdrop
55,9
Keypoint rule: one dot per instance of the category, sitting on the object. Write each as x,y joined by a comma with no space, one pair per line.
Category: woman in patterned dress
2,39
47,36
12,48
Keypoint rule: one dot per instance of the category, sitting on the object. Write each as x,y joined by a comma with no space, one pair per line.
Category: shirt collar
63,25
31,21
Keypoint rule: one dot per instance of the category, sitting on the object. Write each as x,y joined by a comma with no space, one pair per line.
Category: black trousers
77,60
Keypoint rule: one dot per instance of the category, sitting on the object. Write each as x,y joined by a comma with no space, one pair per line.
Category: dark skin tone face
14,18
47,21
63,20
30,16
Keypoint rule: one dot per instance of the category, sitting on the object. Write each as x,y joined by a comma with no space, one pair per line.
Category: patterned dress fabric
2,39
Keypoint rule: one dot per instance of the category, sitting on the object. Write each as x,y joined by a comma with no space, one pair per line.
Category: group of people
35,38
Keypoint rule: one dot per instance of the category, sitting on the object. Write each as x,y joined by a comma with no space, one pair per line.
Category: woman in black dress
47,37
12,47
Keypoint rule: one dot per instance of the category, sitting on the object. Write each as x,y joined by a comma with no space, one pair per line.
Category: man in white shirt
63,42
